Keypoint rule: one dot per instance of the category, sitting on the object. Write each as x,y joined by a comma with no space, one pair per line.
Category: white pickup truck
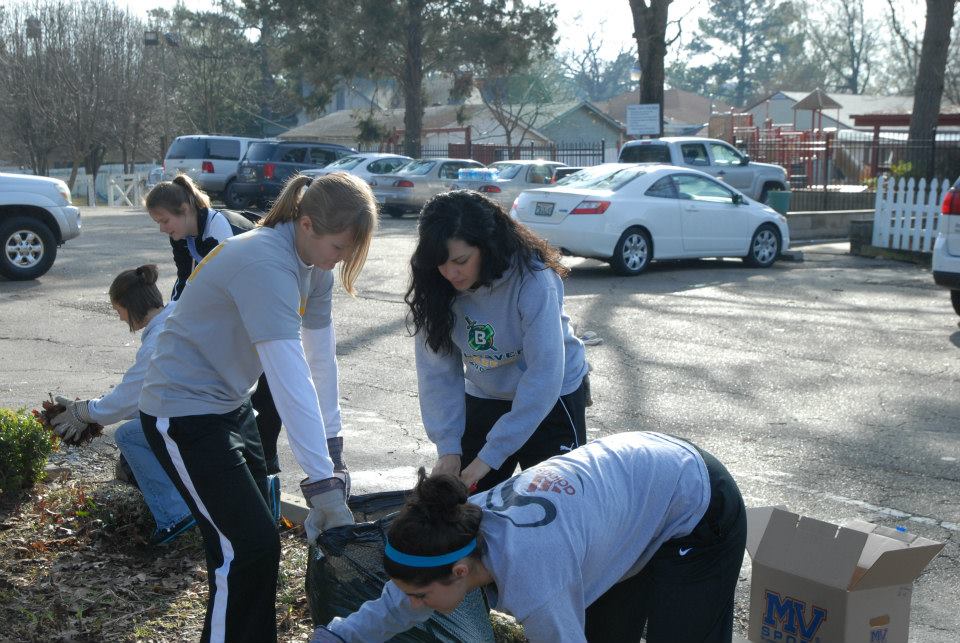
712,156
36,216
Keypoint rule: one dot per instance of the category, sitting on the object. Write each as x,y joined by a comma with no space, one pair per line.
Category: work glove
323,635
328,506
335,447
70,424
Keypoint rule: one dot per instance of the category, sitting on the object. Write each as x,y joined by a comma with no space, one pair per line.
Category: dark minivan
268,165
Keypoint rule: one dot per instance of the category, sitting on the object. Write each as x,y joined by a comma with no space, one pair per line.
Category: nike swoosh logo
685,551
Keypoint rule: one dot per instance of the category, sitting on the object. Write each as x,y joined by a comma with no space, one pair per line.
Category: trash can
779,200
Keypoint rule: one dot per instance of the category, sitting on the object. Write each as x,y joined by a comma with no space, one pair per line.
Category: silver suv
36,216
211,161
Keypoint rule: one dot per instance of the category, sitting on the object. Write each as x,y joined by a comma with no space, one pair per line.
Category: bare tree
27,81
649,30
595,77
846,39
928,91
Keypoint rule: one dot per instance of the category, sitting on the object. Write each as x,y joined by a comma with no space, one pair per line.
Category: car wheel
955,298
632,254
764,247
396,213
235,200
29,248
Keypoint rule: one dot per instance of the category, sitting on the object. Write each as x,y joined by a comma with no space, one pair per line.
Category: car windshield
602,178
506,170
186,148
346,163
645,154
260,151
418,168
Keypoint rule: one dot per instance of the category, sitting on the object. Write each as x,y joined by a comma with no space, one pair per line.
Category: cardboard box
815,582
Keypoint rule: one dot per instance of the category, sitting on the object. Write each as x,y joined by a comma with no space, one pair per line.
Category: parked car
630,214
565,171
154,176
513,177
407,189
268,164
946,249
36,216
211,161
367,165
713,156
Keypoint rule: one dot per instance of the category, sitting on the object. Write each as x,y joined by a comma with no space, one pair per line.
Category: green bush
24,447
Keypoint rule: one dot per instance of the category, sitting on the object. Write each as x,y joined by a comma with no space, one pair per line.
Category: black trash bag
345,570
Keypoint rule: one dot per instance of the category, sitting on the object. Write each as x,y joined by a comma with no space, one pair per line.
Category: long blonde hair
171,195
334,202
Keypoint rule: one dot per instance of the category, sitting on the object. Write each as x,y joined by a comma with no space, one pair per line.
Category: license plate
543,209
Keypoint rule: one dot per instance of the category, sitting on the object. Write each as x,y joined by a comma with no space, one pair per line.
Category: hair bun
441,496
147,273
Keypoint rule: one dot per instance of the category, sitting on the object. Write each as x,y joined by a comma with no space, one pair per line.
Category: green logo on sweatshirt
479,336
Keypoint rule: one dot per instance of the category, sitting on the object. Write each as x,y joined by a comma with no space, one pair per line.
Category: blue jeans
161,496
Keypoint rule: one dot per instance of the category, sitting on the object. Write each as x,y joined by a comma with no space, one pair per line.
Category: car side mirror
737,199
744,159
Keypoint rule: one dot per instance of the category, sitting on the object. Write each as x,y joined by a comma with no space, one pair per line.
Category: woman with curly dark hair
500,373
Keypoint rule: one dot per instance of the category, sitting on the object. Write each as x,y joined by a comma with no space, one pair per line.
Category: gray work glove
74,419
335,447
328,506
323,635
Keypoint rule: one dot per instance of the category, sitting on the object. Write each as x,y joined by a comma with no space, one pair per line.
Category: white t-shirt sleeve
560,619
295,397
218,227
320,346
440,384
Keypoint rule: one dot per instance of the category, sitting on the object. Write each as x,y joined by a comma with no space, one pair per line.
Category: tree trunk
928,91
413,79
649,30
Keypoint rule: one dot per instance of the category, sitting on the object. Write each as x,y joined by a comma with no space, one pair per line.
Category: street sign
643,119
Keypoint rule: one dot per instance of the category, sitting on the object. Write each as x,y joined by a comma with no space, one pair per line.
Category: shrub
24,447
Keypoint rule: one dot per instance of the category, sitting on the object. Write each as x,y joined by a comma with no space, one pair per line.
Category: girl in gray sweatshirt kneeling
635,534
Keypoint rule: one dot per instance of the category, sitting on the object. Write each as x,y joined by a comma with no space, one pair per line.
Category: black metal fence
579,154
843,160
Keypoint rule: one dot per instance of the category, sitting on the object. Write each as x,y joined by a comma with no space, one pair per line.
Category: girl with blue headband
635,534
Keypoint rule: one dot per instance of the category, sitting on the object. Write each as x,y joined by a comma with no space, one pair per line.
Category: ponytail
171,195
136,290
436,520
334,202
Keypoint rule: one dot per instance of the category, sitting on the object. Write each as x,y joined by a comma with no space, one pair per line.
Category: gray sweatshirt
513,342
121,402
561,534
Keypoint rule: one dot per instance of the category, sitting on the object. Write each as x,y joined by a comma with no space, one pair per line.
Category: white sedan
367,165
630,214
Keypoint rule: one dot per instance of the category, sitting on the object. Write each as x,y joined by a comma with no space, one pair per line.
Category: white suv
36,216
211,161
946,250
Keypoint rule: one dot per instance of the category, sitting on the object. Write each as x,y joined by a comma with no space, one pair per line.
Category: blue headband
428,561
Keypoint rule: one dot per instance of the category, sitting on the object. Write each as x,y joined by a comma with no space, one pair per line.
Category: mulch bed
76,564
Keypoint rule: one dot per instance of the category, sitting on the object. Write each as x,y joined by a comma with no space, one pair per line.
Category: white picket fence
907,214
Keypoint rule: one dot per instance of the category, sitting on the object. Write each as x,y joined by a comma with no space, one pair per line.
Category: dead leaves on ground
75,565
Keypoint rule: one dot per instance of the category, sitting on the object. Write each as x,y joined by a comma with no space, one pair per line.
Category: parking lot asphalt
829,386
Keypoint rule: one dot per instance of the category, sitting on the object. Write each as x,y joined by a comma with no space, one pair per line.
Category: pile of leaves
51,410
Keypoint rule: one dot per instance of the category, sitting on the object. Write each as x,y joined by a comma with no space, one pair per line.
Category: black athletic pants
216,461
564,429
268,423
684,594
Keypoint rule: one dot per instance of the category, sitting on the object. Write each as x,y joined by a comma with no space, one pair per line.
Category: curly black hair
479,222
